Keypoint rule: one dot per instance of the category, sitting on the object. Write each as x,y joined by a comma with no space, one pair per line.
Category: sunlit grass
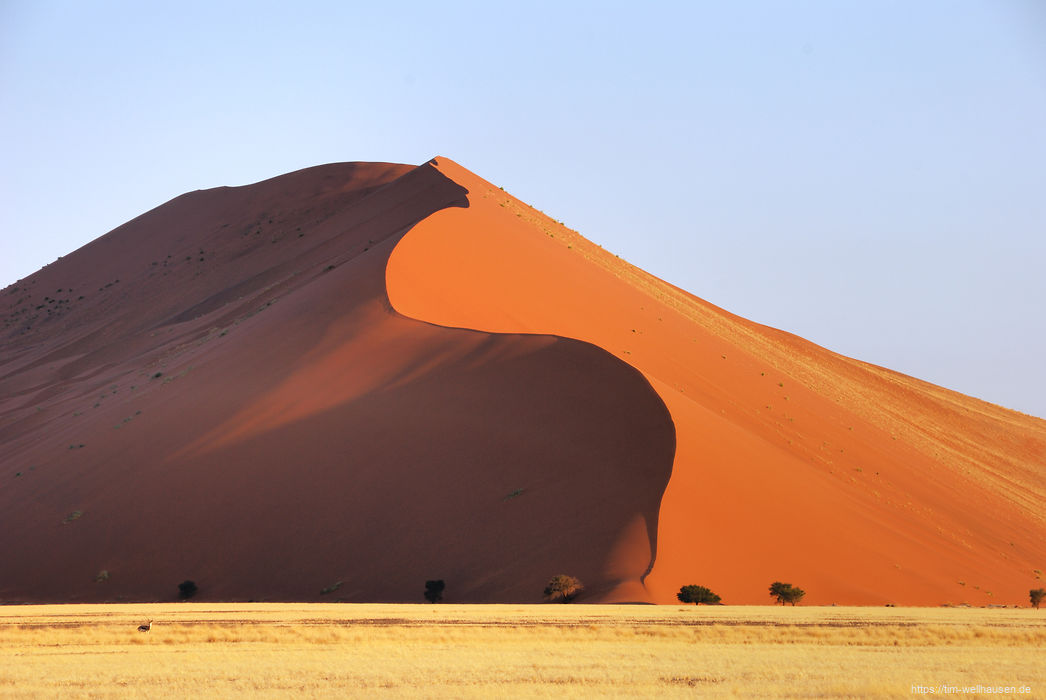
272,650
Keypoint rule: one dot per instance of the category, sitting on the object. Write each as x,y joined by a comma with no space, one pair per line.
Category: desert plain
313,394
480,651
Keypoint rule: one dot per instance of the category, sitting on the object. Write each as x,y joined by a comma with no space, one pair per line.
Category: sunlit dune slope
220,391
792,463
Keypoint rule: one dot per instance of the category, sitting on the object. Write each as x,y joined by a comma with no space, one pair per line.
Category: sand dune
340,382
252,415
793,463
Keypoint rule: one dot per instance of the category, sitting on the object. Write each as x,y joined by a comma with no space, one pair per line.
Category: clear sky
870,176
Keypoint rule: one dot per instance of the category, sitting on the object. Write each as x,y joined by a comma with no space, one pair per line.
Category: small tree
1036,595
786,592
697,595
562,589
187,589
434,590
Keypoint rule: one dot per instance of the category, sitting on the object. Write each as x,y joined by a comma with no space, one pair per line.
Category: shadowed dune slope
792,463
219,390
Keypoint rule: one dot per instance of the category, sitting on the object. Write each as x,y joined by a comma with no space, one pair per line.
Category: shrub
1036,595
786,592
187,589
562,589
434,590
697,595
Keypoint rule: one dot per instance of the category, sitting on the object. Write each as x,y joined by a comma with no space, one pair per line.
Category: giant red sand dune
344,381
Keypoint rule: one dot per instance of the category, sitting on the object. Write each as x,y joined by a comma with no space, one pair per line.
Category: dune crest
220,391
792,463
341,382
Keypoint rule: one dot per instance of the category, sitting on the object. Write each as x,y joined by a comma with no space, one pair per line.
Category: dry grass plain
481,651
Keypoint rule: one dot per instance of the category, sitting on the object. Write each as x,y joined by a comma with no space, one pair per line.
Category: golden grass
481,651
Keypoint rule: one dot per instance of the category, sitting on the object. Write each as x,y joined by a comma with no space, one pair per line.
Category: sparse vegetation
1036,595
483,651
187,589
331,588
563,589
434,590
697,595
786,593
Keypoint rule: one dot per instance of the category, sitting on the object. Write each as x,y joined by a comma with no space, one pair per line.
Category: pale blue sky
869,176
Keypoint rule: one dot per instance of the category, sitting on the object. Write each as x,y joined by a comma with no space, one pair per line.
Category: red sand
861,485
302,435
539,407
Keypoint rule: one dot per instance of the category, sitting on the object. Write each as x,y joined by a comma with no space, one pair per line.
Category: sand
252,415
341,382
793,463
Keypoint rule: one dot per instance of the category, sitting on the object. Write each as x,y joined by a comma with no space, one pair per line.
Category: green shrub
697,595
434,590
563,589
786,592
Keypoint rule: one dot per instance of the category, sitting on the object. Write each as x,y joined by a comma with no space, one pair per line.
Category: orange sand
341,382
793,463
251,414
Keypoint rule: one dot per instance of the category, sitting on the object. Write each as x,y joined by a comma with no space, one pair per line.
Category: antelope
146,627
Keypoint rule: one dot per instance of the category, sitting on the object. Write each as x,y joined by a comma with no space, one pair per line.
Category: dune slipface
344,381
793,463
220,391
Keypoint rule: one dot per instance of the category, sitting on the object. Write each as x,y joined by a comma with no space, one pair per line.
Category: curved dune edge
244,409
630,558
792,463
